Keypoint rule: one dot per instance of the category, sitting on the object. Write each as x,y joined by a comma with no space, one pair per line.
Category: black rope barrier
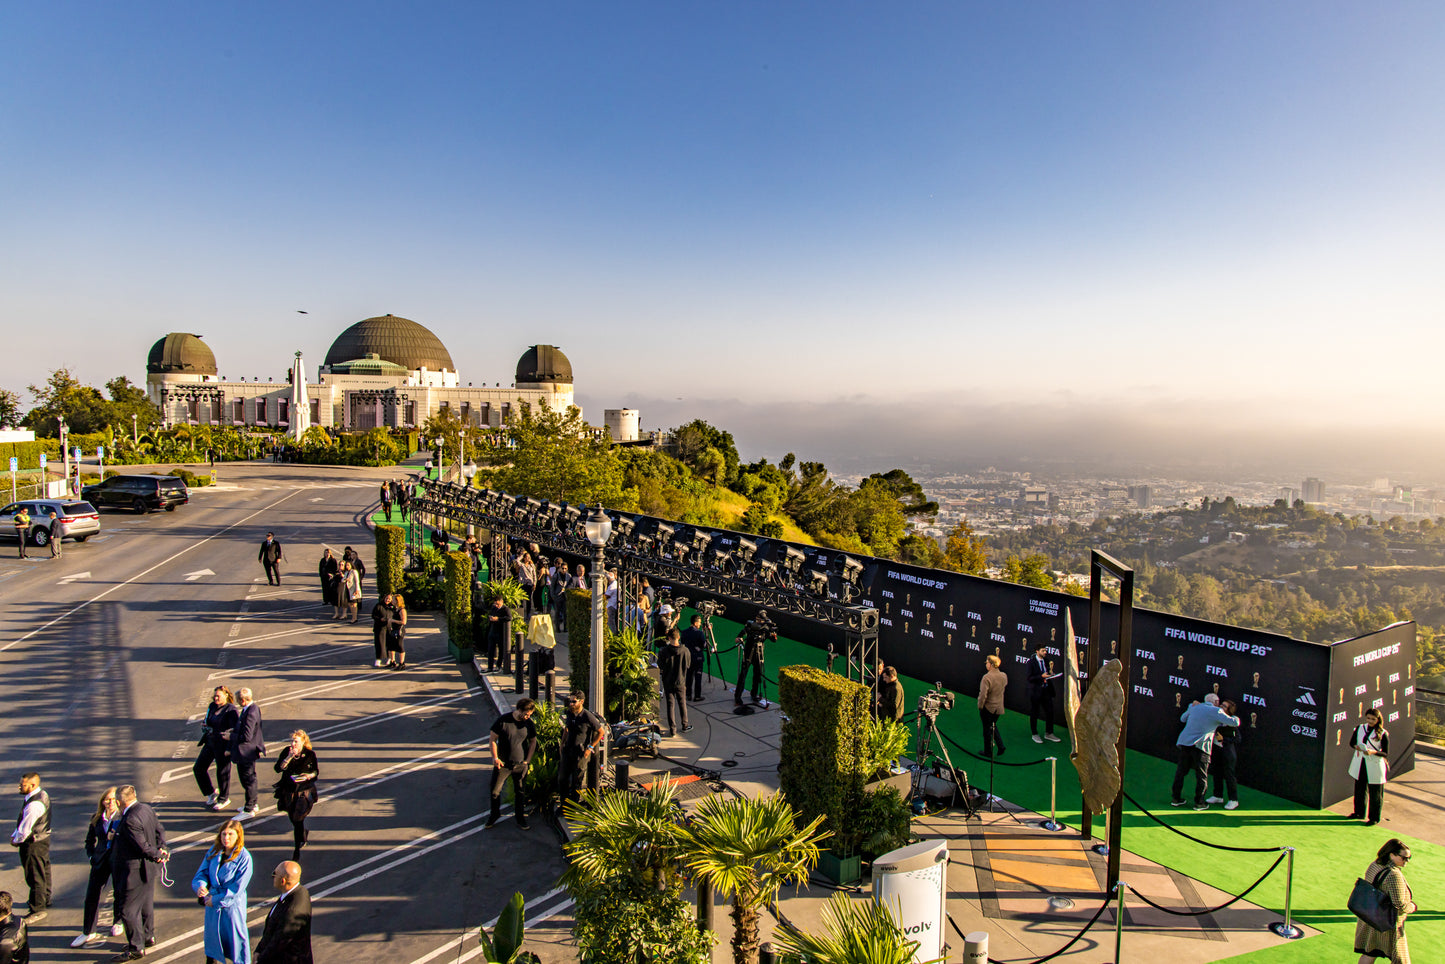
983,759
1239,850
1211,910
1072,941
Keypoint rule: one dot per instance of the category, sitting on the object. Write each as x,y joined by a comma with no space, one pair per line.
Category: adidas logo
1307,698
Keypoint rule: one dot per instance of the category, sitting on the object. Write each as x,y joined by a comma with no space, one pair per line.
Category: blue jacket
1200,721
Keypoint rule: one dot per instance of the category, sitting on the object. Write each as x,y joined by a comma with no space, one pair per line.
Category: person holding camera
752,640
215,744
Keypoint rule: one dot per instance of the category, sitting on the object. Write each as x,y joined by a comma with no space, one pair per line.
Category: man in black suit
247,746
270,558
1041,696
140,841
286,937
14,941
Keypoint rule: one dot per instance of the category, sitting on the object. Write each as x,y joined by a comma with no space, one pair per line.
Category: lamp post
438,443
469,472
599,528
134,430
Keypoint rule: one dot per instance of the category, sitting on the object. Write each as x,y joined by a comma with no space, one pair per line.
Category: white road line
346,787
274,612
281,635
121,585
403,854
343,684
268,595
330,649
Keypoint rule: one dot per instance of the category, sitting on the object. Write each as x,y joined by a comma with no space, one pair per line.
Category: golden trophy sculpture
1094,725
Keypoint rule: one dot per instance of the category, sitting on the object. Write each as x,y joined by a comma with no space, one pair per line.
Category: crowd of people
125,845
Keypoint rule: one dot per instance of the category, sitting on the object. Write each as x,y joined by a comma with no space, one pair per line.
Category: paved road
108,656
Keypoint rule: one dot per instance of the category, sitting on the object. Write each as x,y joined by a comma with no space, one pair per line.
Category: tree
83,409
909,493
918,550
1031,570
878,517
9,408
964,550
445,424
553,455
748,849
693,441
127,400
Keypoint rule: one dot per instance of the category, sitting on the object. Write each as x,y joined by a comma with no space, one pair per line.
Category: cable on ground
1241,850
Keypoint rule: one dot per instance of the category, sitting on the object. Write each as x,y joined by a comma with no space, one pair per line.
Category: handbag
1372,905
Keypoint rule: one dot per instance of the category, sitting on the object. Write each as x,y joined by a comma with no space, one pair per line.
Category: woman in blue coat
220,885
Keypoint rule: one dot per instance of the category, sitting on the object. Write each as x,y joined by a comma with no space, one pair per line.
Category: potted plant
885,741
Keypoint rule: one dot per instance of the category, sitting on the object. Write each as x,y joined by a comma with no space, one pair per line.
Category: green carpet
1330,851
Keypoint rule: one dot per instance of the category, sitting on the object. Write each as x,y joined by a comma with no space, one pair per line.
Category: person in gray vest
32,836
57,534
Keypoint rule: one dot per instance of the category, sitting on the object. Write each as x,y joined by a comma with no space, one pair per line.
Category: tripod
712,660
927,733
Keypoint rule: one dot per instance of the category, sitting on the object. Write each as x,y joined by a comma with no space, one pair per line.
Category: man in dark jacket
582,731
247,746
695,642
270,558
140,841
499,624
286,935
890,696
1041,695
14,942
57,534
672,666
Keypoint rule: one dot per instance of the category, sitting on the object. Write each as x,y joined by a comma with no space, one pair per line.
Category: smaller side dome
181,352
544,363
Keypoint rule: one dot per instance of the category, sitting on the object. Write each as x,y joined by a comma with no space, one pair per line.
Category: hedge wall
27,452
823,743
390,559
459,599
579,639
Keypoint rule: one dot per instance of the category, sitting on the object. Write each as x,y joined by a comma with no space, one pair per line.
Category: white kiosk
912,882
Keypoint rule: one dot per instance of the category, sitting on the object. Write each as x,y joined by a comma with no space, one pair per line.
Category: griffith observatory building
386,372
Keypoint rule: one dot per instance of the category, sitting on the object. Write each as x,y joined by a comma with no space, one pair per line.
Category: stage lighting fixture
851,569
818,584
701,540
767,570
665,535
747,549
793,559
623,525
721,558
572,515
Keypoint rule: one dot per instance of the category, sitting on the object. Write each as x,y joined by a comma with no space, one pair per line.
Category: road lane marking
121,585
456,944
193,576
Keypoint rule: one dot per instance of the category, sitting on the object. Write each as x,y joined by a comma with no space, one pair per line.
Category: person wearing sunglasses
1388,874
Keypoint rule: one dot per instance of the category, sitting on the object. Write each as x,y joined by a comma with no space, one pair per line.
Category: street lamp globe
599,527
469,471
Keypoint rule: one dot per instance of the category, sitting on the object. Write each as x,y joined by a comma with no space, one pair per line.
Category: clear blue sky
948,224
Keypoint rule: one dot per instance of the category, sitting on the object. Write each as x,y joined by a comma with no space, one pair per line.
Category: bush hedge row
823,743
459,599
390,558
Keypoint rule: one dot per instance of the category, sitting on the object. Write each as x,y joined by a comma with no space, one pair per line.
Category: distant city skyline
1148,234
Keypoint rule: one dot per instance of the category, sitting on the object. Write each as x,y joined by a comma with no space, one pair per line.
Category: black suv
143,493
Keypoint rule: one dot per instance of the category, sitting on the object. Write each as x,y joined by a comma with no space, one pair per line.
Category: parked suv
143,493
79,519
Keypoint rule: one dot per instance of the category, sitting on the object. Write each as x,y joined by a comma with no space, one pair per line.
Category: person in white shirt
32,837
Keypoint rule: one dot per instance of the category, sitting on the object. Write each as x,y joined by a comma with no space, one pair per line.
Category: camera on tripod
707,608
933,702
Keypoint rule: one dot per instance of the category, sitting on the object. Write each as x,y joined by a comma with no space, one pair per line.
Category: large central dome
397,340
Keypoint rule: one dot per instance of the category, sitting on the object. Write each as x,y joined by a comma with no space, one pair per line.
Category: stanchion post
520,664
621,774
532,680
1119,923
767,955
1052,823
1286,928
551,686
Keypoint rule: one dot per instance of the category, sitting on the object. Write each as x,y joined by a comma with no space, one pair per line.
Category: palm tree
747,849
624,835
856,932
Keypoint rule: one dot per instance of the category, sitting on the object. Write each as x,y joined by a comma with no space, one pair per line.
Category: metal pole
1286,928
521,662
621,774
533,682
551,684
1052,823
1119,921
704,906
595,658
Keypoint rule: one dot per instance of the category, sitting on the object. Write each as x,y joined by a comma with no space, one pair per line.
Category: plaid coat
1389,945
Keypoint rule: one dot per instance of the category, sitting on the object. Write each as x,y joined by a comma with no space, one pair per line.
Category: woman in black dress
97,848
326,572
296,790
396,634
215,743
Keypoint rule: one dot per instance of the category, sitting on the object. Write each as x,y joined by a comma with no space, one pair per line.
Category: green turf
1330,851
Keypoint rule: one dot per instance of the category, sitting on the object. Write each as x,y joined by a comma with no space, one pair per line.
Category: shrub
822,755
882,822
459,599
423,592
541,779
884,742
390,558
579,637
624,922
629,689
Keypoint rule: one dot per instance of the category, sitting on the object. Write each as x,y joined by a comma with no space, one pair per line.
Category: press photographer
751,641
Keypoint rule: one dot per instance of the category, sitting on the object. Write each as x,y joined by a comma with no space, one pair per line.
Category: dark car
143,493
78,520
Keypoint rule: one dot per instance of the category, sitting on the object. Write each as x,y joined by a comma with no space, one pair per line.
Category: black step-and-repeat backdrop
939,626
